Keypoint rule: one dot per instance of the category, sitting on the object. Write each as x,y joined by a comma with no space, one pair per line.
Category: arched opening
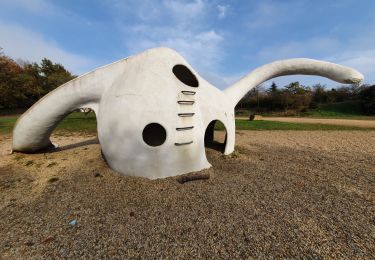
215,136
76,129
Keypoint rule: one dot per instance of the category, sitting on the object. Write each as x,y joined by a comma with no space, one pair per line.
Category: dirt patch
326,121
281,194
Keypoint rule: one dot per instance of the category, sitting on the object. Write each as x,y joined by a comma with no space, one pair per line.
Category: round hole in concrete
185,75
154,134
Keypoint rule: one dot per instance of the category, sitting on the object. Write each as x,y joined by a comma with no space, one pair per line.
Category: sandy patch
327,121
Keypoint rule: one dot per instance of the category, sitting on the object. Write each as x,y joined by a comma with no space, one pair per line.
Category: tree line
23,83
298,98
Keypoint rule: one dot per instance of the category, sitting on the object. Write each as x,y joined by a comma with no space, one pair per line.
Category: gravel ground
281,194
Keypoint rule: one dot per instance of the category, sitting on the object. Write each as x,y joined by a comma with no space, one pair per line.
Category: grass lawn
339,110
75,122
6,124
78,122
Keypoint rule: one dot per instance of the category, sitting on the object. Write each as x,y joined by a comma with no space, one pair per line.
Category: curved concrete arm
291,67
33,129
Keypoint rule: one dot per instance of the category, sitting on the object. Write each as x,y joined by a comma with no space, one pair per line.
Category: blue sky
223,40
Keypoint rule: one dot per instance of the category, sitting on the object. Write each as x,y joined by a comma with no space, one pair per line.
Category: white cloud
201,50
223,81
357,51
295,49
182,10
149,11
269,14
210,36
146,10
35,6
21,43
222,11
181,25
362,60
352,46
264,16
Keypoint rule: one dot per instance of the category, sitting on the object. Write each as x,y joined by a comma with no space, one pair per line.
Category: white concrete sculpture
154,112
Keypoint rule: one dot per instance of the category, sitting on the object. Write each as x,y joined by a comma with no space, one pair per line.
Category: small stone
97,175
48,239
29,243
73,223
53,179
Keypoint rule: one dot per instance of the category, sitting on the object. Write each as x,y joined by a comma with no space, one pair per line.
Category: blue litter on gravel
73,222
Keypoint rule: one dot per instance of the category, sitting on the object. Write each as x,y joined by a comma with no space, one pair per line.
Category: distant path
327,121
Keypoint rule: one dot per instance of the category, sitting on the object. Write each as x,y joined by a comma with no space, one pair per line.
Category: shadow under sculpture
153,110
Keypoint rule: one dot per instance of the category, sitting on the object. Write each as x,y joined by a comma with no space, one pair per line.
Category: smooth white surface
129,94
299,66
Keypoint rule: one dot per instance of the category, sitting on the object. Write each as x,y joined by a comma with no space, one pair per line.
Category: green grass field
78,122
340,110
75,122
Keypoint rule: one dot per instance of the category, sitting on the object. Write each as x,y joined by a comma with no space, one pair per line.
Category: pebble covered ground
280,194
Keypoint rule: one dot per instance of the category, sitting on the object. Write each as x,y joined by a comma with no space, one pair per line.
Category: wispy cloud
36,6
358,52
185,11
223,9
220,38
362,60
269,14
21,43
201,49
223,80
314,48
180,25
